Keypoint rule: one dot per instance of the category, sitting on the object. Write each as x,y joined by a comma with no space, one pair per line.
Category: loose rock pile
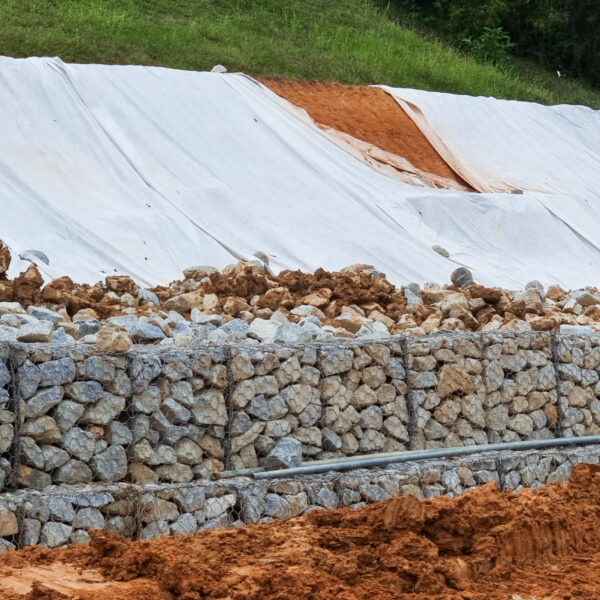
246,302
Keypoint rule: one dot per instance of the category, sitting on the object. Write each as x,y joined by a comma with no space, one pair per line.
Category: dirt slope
367,113
484,545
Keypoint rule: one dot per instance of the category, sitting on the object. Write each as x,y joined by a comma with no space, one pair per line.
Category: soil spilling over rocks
356,301
483,545
369,114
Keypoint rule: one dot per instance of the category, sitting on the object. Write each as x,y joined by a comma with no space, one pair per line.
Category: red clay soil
540,544
367,113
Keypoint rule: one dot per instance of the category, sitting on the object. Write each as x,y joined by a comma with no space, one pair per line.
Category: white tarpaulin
499,145
146,171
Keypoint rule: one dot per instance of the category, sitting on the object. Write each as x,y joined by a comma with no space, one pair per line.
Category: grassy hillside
350,41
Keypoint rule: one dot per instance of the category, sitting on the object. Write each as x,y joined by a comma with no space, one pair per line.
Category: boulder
286,454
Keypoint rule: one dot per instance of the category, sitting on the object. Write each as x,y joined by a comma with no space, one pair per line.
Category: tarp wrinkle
146,171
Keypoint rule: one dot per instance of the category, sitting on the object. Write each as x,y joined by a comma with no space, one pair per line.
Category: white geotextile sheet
146,171
499,145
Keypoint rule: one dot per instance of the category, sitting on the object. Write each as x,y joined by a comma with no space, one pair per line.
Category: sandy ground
484,545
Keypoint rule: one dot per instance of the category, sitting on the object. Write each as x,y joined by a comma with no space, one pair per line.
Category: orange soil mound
369,114
484,545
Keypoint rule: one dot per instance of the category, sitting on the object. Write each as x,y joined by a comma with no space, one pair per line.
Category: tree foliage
563,35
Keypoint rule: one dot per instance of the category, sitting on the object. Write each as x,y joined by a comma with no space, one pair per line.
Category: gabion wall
65,514
72,415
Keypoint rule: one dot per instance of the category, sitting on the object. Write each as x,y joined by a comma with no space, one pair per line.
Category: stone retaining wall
65,514
72,415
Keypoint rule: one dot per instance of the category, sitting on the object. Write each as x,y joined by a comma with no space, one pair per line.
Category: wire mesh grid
173,417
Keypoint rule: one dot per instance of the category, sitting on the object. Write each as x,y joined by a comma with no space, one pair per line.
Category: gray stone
162,455
188,452
4,375
371,418
286,454
371,441
110,465
238,442
31,532
423,380
334,360
190,499
297,397
259,408
240,424
55,534
53,457
104,411
85,392
73,471
118,433
331,441
393,426
89,518
183,392
98,369
67,414
88,327
451,481
373,493
326,498
210,409
153,508
57,372
124,525
6,437
497,418
263,330
29,377
278,428
310,415
213,507
43,429
60,336
147,297
253,505
60,508
37,331
184,525
285,507
145,333
483,476
174,412
291,333
32,453
79,443
8,334
42,402
521,424
571,416
94,499
148,401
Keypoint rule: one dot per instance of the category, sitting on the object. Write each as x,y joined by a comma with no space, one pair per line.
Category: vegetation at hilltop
349,41
561,35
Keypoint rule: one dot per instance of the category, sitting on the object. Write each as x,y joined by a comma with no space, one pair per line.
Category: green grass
350,41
